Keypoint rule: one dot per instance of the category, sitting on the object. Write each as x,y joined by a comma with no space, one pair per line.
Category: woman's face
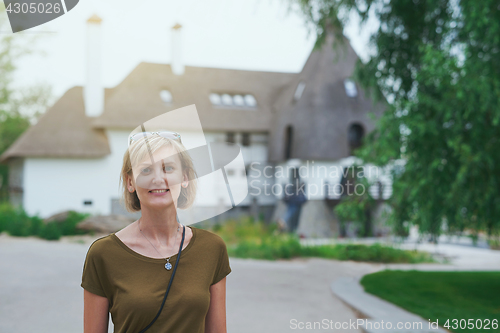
163,172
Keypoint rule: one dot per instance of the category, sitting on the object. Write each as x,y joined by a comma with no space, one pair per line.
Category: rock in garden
59,217
105,223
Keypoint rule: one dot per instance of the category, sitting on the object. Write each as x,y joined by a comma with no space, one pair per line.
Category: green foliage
248,239
356,206
50,231
494,242
269,248
436,62
372,253
68,226
254,239
439,295
16,222
20,107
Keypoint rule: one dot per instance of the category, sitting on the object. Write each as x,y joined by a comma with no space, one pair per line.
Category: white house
71,158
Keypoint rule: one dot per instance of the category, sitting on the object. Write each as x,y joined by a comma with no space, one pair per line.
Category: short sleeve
90,276
223,267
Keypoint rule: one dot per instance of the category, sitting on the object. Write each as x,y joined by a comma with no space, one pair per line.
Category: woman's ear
185,183
130,185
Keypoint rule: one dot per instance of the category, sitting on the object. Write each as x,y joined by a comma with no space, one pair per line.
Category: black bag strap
170,283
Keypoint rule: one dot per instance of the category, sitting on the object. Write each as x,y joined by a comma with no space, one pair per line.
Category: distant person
294,198
131,272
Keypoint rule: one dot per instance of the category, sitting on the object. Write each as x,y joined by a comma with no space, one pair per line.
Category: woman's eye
165,168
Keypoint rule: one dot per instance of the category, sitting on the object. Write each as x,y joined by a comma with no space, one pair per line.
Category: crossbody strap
170,283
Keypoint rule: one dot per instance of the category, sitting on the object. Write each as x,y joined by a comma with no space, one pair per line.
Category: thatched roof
137,98
63,131
321,117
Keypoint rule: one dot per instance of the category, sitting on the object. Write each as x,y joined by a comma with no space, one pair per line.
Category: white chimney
94,91
177,63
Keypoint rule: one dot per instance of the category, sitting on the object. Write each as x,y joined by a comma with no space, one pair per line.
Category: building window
87,202
288,142
350,88
355,135
245,139
215,99
227,99
298,92
166,96
250,101
238,100
230,137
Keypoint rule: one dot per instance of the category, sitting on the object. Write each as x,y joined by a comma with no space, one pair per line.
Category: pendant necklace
168,265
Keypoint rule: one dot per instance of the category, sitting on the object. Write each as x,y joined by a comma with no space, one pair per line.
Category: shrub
16,222
248,239
50,231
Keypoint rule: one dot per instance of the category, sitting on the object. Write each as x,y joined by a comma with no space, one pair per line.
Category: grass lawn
442,296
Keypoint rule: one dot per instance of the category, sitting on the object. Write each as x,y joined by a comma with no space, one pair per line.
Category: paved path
40,289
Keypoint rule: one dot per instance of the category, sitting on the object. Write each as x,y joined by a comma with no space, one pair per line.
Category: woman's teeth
158,191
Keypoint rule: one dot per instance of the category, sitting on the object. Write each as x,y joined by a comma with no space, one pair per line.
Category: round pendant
168,266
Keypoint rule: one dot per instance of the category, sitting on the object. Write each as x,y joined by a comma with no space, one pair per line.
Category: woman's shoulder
101,243
208,236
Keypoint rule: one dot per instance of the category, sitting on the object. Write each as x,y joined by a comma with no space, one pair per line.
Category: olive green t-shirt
135,285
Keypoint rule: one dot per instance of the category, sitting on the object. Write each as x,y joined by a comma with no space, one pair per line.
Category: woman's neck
159,226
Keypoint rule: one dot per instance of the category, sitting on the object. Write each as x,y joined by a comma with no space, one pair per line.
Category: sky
265,35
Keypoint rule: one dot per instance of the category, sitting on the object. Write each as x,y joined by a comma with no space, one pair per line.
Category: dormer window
238,100
215,99
234,100
166,96
227,100
250,100
350,88
298,92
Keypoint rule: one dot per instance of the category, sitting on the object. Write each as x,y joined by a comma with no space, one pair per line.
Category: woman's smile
159,192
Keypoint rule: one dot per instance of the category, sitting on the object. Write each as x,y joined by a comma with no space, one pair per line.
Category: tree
355,205
19,107
436,62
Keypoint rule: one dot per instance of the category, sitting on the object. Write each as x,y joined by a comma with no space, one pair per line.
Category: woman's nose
159,177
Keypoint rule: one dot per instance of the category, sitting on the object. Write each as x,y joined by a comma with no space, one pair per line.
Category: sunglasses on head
162,133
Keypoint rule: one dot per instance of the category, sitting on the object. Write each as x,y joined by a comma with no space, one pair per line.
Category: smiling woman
125,273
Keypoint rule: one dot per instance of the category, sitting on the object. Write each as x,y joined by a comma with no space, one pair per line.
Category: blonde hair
137,151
